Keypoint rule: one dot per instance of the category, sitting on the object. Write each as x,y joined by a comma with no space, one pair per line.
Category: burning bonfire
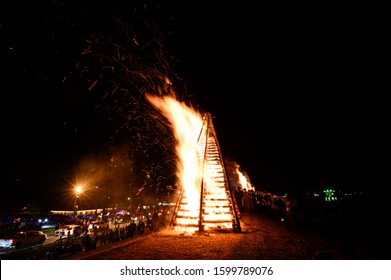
205,201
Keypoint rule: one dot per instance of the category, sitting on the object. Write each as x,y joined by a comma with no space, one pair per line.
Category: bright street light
78,190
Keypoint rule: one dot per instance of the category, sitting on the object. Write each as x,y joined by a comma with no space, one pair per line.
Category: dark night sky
296,92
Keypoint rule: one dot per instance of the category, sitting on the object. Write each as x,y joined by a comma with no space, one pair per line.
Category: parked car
65,246
24,238
69,230
98,225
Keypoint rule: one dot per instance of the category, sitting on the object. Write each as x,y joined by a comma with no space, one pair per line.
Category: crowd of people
90,237
251,201
135,228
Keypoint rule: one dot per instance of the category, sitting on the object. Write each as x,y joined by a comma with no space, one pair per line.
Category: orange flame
187,124
244,182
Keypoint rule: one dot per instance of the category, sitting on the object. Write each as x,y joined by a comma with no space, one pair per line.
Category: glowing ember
205,201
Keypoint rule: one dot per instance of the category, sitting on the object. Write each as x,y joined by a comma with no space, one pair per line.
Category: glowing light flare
78,190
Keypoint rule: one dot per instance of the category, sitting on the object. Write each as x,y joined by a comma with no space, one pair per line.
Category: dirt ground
260,238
